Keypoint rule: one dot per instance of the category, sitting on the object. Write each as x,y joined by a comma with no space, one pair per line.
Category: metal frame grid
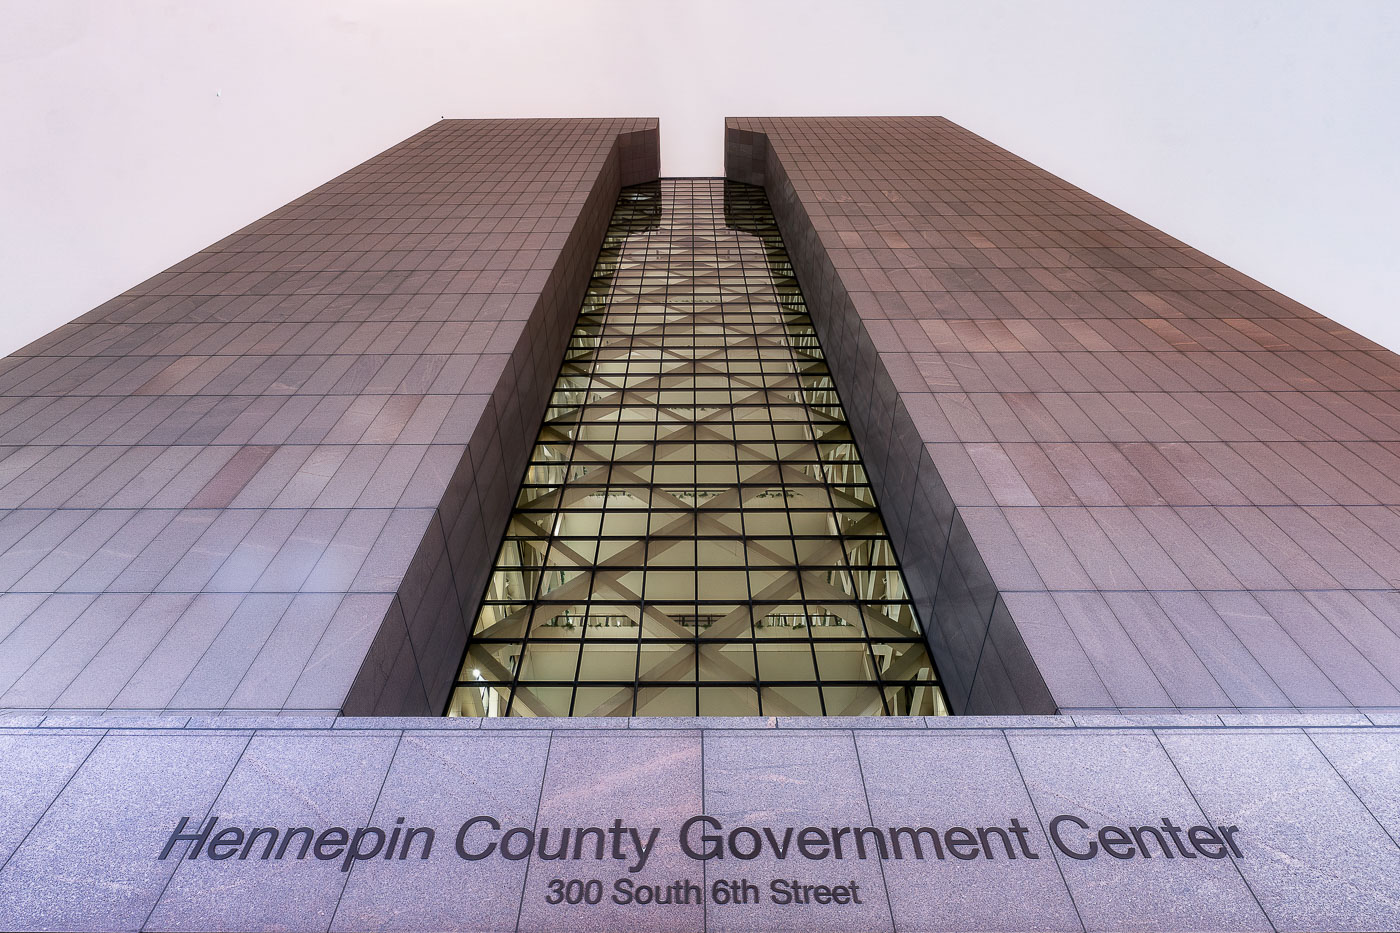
695,534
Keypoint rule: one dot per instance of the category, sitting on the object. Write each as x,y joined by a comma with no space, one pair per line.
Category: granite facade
272,477
1120,474
1127,484
91,803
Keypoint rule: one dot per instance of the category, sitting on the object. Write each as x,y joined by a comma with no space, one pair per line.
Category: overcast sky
139,131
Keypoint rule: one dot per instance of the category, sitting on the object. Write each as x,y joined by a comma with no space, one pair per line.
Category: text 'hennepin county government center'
886,536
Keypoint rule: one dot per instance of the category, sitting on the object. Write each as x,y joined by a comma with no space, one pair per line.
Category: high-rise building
502,537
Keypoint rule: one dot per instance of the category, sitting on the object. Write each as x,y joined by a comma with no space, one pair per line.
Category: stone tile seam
96,726
110,353
986,630
383,782
1347,784
155,645
1187,641
535,822
213,642
1240,642
451,575
158,592
318,354
413,649
705,866
40,818
870,815
145,924
1234,863
1059,869
942,565
321,636
176,717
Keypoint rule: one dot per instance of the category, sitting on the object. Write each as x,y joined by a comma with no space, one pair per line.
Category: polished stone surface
441,780
271,478
1119,474
1315,806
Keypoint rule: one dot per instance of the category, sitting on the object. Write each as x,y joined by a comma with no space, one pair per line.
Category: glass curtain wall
695,534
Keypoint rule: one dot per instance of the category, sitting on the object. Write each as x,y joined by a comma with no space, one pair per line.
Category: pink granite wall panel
1122,475
273,477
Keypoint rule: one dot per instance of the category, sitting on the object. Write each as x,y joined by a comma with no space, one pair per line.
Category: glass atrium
695,534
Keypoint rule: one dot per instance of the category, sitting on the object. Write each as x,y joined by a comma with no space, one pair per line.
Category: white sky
139,131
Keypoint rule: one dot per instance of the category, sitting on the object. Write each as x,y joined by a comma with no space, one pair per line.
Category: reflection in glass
695,534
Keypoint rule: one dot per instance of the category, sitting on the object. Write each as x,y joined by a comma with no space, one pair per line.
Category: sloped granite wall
1120,474
270,478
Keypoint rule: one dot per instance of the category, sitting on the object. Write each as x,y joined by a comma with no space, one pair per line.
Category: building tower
697,505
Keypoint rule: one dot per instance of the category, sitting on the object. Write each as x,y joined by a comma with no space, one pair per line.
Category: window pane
695,532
